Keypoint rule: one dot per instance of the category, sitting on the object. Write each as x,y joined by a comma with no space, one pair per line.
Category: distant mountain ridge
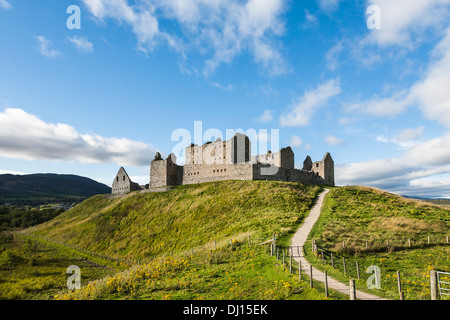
44,188
441,201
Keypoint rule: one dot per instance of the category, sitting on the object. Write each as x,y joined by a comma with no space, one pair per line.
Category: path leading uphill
299,239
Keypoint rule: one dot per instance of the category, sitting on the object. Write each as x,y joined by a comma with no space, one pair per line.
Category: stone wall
325,168
195,173
165,172
230,160
122,183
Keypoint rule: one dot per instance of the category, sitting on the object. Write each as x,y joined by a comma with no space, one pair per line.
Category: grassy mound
139,225
375,228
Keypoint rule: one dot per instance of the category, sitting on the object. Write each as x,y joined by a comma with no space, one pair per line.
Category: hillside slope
139,225
361,226
36,189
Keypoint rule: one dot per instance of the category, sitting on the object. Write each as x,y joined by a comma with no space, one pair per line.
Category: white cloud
82,44
25,136
406,139
296,141
432,93
344,121
332,56
334,141
329,5
228,87
267,116
45,47
302,112
311,20
405,23
219,30
12,172
5,5
418,171
310,17
382,106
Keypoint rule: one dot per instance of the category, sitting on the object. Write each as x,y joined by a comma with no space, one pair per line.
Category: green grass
47,275
140,226
355,215
244,273
143,226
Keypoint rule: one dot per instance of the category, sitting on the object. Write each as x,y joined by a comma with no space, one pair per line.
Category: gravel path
299,239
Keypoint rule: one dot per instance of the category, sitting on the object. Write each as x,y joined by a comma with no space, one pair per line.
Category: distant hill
439,201
37,189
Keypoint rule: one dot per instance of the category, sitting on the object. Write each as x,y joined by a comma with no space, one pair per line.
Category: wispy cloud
405,139
46,47
300,113
82,44
5,5
296,141
25,136
334,141
266,116
329,5
406,23
219,30
420,170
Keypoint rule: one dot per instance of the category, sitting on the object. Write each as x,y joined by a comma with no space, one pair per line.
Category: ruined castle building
165,172
122,183
231,160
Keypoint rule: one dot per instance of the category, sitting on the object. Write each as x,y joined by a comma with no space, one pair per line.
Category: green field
140,226
355,217
150,227
192,242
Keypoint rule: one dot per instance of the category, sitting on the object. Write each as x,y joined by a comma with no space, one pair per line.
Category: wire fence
395,283
383,279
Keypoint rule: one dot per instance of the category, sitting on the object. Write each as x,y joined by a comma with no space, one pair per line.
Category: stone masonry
229,160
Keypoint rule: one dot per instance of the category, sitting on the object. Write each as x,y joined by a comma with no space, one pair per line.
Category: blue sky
86,101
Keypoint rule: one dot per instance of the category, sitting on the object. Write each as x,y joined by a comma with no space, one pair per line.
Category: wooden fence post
326,283
357,270
299,271
345,267
249,241
332,260
399,284
283,259
433,285
290,265
310,276
352,289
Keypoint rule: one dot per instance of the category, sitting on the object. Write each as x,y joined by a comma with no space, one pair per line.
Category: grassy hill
374,227
141,225
37,189
189,219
